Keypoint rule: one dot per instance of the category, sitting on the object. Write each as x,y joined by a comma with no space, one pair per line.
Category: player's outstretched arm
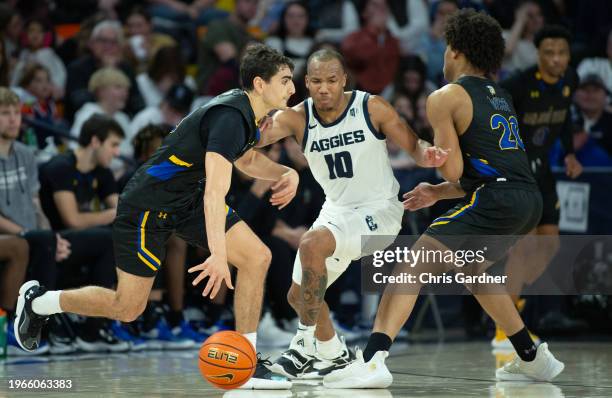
387,121
218,179
282,124
442,105
258,165
426,195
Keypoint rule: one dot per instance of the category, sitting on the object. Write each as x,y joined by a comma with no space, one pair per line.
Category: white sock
48,303
252,337
329,349
306,334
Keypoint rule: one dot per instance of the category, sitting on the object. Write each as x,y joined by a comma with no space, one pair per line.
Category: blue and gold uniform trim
168,168
143,254
446,219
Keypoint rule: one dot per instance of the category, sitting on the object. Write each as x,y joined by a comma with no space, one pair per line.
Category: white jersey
348,157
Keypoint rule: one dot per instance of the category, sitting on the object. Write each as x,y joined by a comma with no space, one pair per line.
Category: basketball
227,359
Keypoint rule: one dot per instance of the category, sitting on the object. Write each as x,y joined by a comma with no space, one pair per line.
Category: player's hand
573,168
434,156
423,195
217,271
284,189
62,249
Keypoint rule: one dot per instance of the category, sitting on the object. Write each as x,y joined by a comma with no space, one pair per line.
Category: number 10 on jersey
340,165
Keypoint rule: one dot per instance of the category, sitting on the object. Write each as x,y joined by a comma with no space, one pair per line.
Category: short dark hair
168,60
29,74
325,55
263,61
478,37
552,32
100,126
144,137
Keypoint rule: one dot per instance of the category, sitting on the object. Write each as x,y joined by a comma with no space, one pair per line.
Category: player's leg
139,240
325,328
14,255
252,258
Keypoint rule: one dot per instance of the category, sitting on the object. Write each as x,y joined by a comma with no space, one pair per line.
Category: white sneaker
361,374
270,335
544,367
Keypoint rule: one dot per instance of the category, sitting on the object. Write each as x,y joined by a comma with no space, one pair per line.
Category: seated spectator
53,257
409,20
35,93
591,100
166,70
175,106
38,49
106,46
521,53
142,42
110,87
432,45
78,189
372,53
333,20
411,80
219,51
602,67
295,36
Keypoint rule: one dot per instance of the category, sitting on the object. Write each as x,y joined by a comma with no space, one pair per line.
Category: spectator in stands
333,20
175,106
295,36
219,51
142,42
409,21
591,100
431,45
372,53
106,44
110,87
35,93
38,49
521,53
411,80
166,70
599,66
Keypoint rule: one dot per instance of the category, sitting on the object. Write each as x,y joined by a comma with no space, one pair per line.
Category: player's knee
313,245
263,256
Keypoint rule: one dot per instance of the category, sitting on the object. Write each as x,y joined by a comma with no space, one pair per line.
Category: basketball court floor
424,370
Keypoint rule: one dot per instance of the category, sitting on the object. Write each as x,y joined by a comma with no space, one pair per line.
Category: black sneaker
265,379
28,324
96,335
326,366
295,365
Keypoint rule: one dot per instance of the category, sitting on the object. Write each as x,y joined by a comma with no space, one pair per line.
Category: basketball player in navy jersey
488,167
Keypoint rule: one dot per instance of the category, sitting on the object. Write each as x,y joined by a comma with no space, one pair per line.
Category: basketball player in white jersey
343,138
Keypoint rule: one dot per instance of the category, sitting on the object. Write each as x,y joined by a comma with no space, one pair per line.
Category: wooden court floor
425,370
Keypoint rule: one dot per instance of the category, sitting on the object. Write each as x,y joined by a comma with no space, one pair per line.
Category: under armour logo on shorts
371,224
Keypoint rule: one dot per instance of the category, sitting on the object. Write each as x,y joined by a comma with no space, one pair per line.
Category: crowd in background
97,92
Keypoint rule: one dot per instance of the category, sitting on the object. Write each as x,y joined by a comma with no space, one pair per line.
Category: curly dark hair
552,32
263,61
477,36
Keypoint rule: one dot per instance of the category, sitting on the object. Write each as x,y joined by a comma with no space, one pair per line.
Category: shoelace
263,361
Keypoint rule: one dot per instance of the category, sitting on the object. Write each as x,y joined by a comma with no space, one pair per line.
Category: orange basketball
227,359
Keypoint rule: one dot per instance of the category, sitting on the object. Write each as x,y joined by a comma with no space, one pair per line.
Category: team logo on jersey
352,112
534,94
491,90
566,91
371,224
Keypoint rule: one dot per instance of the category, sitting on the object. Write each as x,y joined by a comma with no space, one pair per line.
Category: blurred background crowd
100,83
